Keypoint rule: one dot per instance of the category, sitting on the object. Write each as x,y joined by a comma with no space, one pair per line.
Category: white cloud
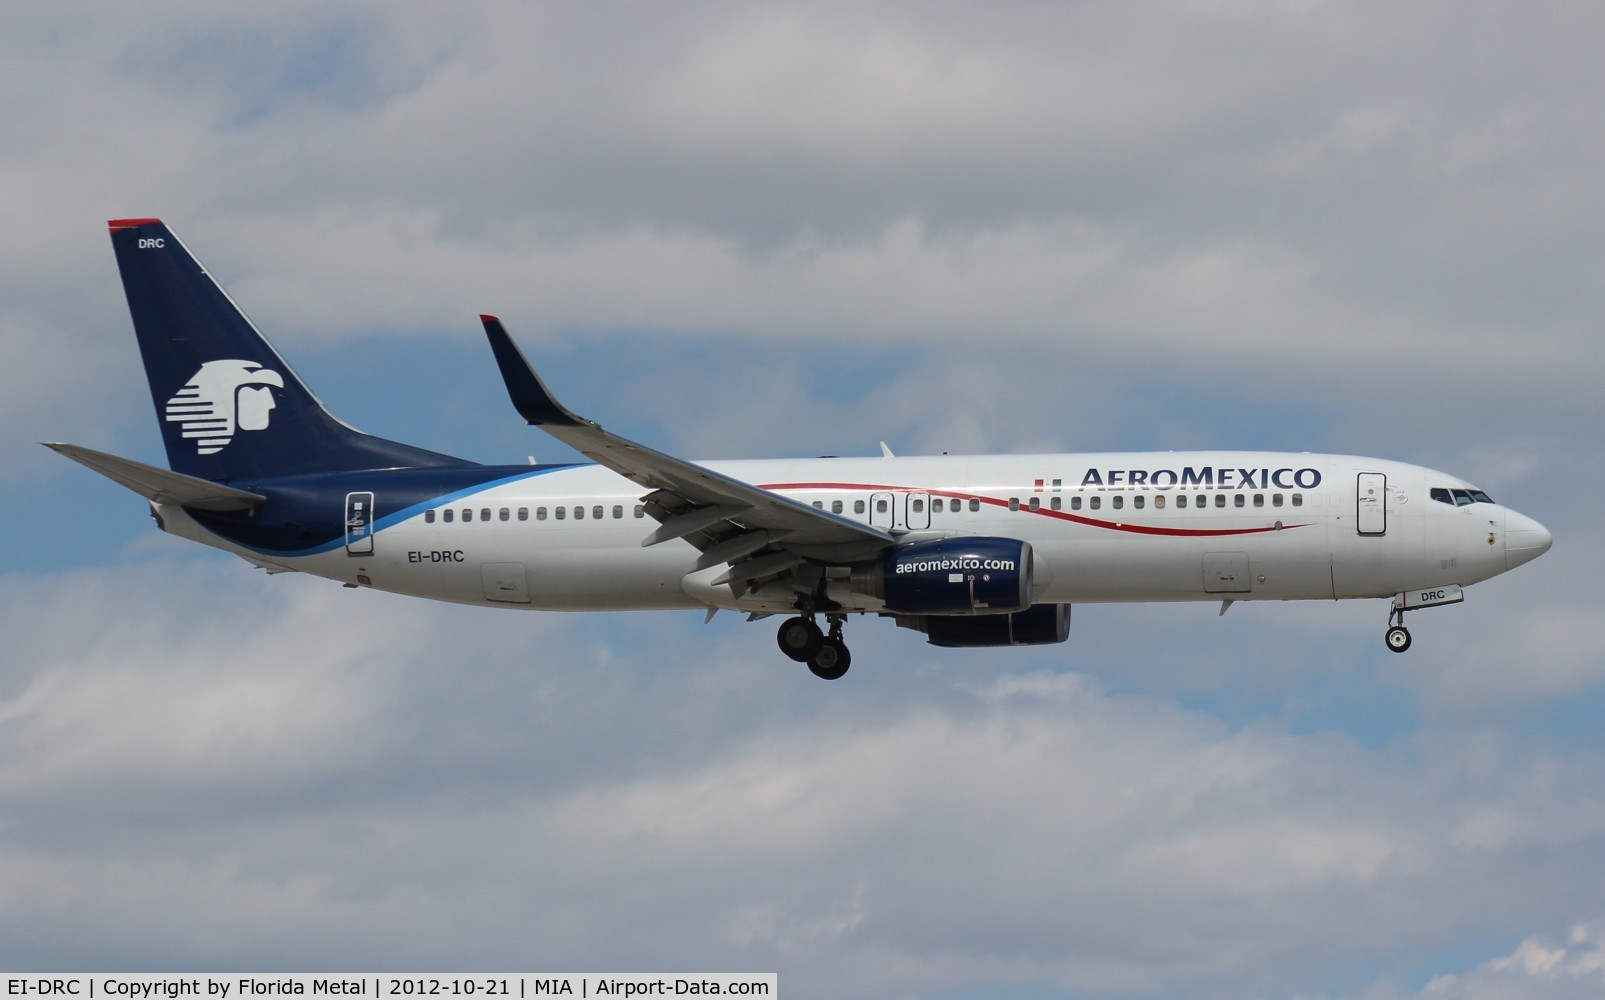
289,772
1538,969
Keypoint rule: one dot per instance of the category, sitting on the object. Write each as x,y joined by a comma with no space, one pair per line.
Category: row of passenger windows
1095,502
598,512
578,512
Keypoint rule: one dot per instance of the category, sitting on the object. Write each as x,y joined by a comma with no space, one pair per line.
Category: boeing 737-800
984,550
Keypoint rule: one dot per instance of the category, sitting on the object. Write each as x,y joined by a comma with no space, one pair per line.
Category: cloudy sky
737,230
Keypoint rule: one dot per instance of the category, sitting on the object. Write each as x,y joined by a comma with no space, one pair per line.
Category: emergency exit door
1371,517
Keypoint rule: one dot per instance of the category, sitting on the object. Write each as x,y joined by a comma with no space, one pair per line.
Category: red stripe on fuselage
1136,529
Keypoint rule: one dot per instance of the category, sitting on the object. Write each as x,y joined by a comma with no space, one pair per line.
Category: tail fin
228,405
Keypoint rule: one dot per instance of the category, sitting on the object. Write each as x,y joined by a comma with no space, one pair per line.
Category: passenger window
880,506
429,517
1237,501
1014,503
1159,502
1259,499
468,514
618,512
1054,503
1075,503
523,513
505,514
1298,499
446,514
1181,500
835,506
975,504
858,506
640,510
579,513
560,512
1118,502
1095,502
1036,503
1220,499
1276,499
919,506
1138,501
819,505
596,512
936,506
540,513
484,513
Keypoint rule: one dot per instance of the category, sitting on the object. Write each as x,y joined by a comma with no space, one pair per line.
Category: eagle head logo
222,398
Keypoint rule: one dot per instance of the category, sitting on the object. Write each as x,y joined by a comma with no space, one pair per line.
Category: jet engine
974,575
1037,626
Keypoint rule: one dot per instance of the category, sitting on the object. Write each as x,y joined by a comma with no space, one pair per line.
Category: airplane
971,551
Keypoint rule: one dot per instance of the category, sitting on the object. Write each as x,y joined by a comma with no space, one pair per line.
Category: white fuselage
1168,526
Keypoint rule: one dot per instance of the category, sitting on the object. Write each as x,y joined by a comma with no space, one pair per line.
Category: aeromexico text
1207,477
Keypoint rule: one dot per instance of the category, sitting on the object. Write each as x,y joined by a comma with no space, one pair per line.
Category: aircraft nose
1525,539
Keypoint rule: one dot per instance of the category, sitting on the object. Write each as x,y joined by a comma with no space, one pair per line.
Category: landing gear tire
1397,638
831,661
800,639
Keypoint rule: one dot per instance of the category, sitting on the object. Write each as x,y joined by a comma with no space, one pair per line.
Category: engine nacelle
1037,626
974,575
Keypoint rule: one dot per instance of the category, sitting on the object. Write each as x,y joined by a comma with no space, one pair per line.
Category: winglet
534,402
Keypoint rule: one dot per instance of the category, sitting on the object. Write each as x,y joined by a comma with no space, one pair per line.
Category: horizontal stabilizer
160,485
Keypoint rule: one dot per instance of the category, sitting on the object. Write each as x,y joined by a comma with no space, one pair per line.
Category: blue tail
228,405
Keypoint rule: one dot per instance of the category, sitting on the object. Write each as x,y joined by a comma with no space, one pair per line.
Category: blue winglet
534,402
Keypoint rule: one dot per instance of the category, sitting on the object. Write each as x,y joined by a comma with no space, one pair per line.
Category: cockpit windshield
1459,497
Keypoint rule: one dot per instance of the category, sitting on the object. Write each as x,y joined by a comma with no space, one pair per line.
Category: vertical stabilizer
228,405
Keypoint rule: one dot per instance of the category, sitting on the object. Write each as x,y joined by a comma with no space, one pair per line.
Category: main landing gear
826,655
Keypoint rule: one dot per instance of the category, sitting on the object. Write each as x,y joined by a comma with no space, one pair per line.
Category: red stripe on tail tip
116,224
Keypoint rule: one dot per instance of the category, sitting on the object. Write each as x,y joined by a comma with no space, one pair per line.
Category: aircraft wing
160,485
758,532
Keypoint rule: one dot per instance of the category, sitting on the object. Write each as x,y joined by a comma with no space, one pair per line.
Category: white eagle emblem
222,398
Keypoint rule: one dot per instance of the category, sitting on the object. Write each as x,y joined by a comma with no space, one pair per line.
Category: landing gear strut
826,655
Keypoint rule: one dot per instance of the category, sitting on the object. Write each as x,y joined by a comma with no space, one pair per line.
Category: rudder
228,405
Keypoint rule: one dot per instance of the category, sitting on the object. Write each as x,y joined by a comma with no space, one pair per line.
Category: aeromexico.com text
952,565
1208,477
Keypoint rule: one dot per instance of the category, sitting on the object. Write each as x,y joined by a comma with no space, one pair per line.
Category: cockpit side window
1459,498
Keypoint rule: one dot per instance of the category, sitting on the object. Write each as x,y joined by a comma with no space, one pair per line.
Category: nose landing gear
1397,637
826,655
